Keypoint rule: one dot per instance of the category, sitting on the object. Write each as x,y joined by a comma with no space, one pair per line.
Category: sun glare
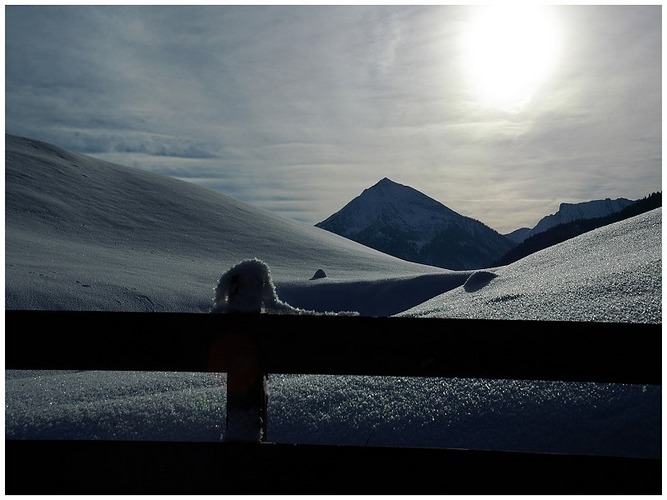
510,51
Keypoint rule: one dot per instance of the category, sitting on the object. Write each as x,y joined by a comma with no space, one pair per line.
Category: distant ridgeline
569,230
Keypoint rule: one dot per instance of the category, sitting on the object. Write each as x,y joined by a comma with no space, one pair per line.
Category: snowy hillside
614,272
401,221
83,234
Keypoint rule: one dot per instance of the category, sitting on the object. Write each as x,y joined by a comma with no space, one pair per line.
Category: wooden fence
334,345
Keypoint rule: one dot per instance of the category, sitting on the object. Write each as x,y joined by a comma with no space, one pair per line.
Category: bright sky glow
499,113
510,51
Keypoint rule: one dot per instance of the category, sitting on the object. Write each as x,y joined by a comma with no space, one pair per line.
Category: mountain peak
387,196
568,212
385,181
403,222
390,195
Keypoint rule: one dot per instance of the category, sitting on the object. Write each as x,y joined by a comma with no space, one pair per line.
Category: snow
393,215
569,212
248,288
82,234
609,274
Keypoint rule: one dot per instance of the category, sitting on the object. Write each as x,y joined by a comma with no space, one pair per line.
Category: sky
501,116
153,243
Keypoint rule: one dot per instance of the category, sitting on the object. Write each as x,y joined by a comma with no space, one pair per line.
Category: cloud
114,141
334,97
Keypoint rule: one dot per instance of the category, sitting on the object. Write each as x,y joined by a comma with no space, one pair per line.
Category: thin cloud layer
272,101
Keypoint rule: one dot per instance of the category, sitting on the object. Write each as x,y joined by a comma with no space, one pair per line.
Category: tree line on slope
562,232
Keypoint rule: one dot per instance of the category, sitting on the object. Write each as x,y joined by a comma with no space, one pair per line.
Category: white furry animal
248,288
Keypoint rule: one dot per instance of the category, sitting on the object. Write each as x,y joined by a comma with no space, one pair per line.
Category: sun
509,52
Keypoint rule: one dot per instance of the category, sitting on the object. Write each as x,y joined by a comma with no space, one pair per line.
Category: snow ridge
569,212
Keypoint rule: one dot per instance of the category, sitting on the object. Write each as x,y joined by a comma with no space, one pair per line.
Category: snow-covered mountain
568,212
83,234
401,221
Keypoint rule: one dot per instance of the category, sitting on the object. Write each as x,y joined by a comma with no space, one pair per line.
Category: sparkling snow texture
609,274
82,234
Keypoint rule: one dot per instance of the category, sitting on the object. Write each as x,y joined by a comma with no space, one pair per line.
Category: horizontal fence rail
337,345
327,345
122,467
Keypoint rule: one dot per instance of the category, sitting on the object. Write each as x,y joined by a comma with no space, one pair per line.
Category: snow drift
82,234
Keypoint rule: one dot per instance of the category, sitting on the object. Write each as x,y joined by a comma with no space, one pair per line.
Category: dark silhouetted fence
335,345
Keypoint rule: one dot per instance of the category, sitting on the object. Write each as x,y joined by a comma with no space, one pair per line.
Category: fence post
246,391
